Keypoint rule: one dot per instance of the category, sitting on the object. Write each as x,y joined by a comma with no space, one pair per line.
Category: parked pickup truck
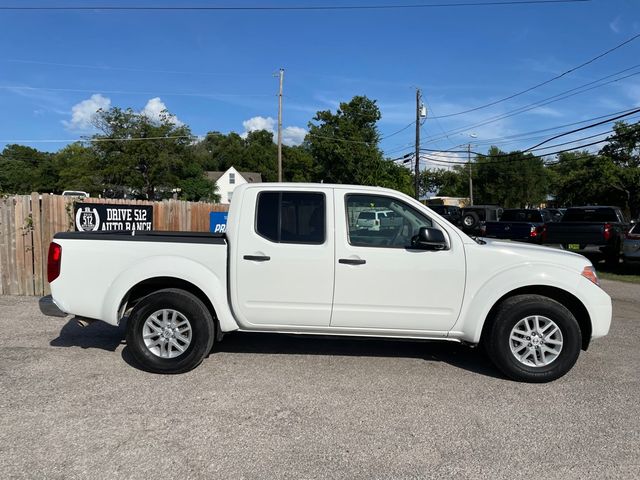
592,231
293,261
525,225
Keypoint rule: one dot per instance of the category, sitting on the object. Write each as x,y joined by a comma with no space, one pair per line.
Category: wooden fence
28,223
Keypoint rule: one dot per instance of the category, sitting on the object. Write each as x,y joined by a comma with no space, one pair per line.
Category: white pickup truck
294,260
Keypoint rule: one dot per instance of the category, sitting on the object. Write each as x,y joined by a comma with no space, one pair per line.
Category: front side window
395,228
291,217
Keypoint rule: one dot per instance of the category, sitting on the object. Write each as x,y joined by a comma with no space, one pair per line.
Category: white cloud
155,109
293,135
546,112
258,123
82,113
290,135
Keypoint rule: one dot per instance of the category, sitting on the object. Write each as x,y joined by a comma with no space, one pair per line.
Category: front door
285,259
383,283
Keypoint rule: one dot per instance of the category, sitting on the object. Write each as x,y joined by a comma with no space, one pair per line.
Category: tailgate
509,230
576,233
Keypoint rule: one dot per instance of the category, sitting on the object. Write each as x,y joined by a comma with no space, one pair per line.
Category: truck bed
96,265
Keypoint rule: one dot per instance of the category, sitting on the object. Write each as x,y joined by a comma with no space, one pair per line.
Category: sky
217,70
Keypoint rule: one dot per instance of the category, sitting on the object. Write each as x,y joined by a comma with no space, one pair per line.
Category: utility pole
417,168
470,174
281,74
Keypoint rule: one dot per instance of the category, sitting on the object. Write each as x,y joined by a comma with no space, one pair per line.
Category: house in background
227,181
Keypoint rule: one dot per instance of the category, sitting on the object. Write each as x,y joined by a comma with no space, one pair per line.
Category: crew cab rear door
284,263
381,282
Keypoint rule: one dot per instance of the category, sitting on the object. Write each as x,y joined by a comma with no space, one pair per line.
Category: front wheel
170,331
533,339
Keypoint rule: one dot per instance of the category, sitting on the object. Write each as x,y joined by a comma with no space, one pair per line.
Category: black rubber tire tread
514,309
202,325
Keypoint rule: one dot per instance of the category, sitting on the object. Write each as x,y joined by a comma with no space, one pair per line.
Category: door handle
352,261
257,258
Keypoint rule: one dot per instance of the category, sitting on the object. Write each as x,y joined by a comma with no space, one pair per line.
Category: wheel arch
570,301
151,285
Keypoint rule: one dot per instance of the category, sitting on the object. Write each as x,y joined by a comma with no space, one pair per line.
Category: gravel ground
72,405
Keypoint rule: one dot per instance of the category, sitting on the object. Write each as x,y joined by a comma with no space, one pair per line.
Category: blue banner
218,222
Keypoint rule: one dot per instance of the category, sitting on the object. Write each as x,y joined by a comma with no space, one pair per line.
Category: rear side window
291,217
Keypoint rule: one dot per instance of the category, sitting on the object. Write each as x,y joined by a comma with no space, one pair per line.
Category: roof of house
251,177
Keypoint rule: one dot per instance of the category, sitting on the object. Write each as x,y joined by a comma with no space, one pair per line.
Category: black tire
200,321
470,220
512,311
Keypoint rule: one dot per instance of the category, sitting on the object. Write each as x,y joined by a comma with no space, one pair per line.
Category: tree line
157,158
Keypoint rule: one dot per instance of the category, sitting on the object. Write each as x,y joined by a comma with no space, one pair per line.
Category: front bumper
598,304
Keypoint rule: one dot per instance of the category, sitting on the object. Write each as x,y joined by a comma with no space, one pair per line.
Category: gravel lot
268,406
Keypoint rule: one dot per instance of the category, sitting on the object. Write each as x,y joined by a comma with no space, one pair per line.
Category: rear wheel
533,339
170,331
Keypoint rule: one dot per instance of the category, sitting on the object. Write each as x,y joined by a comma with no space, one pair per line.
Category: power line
291,8
518,159
132,69
440,152
546,82
509,156
518,136
129,92
585,127
397,132
532,106
514,137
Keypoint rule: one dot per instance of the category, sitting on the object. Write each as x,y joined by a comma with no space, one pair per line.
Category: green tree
76,165
21,169
623,150
513,180
583,178
345,144
298,165
446,183
153,167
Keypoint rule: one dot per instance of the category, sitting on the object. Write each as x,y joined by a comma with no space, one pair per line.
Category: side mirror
429,239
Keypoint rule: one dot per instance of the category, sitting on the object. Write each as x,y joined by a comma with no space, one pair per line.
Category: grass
621,273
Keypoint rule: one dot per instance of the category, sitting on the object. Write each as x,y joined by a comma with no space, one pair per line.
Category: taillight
538,231
607,231
53,261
